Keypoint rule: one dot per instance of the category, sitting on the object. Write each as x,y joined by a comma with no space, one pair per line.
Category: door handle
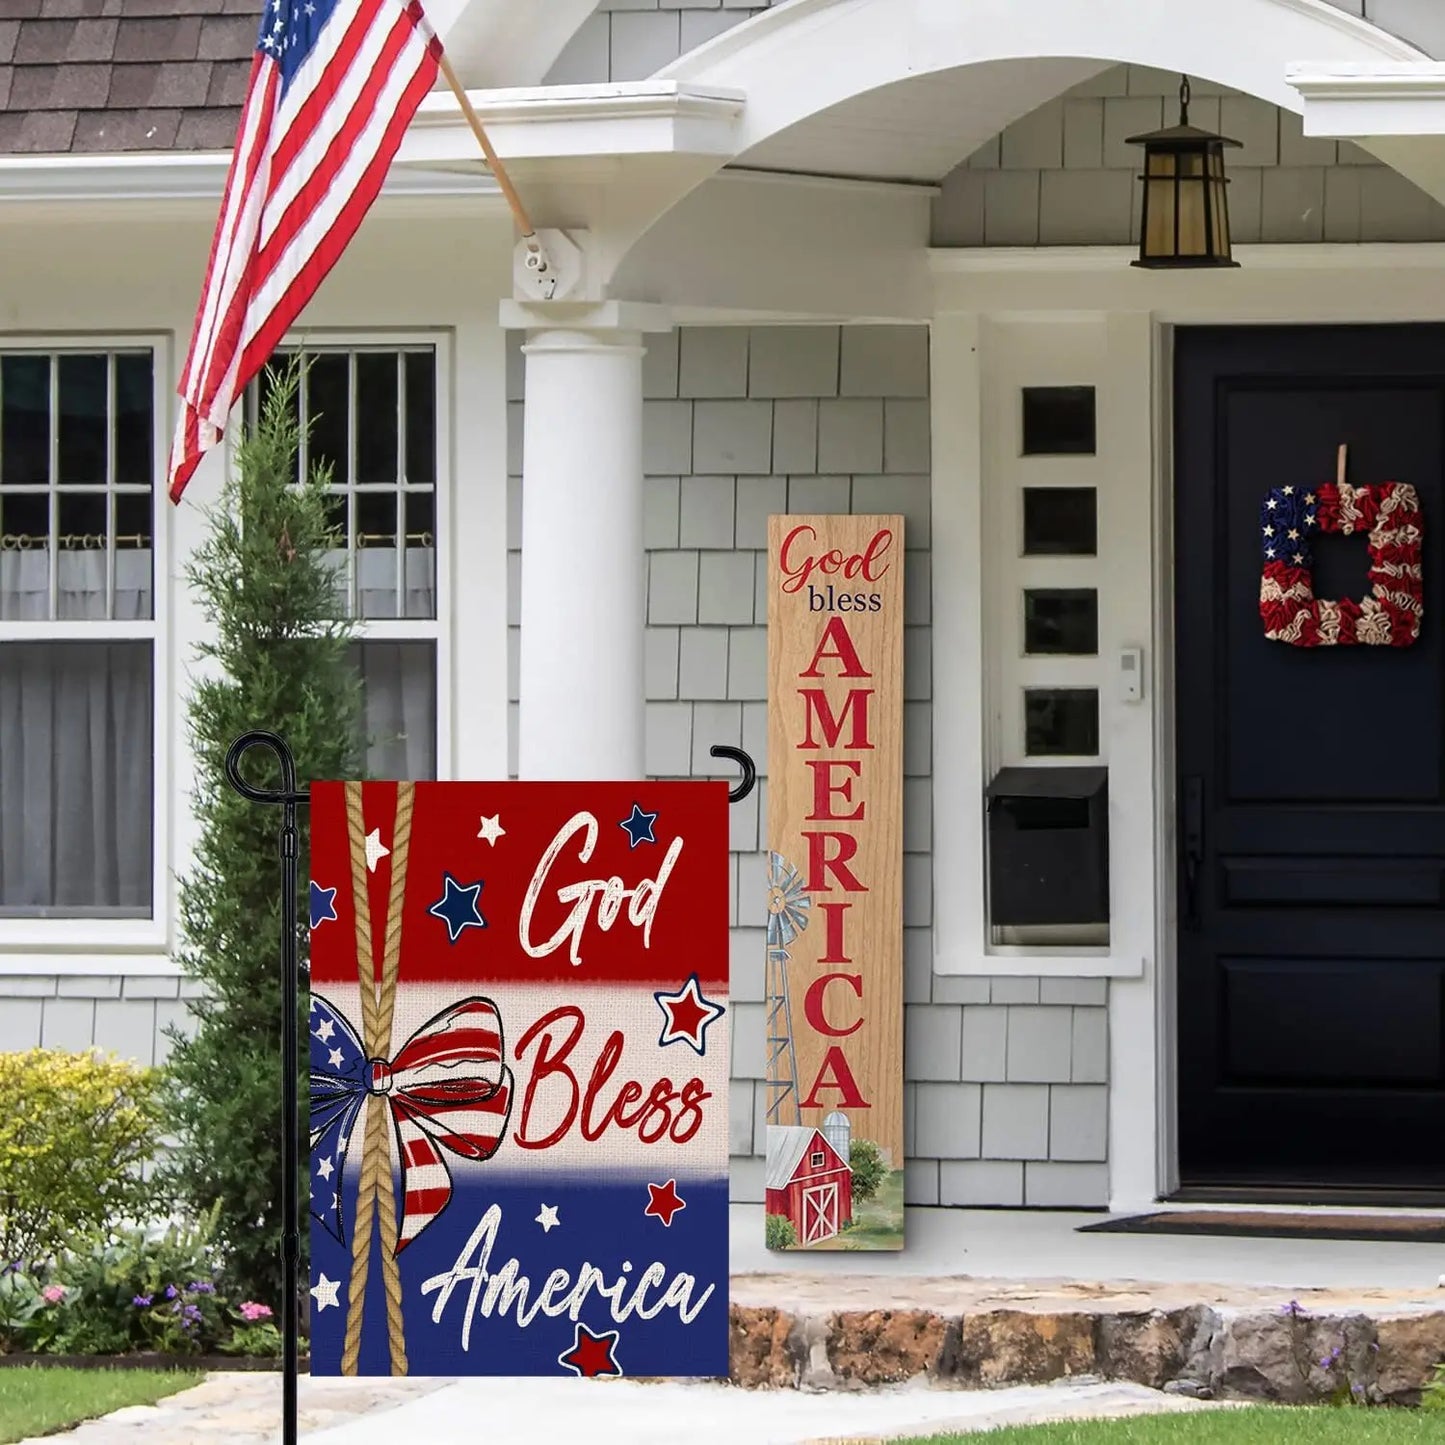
1193,838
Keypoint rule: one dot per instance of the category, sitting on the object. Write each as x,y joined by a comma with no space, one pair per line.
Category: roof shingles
123,75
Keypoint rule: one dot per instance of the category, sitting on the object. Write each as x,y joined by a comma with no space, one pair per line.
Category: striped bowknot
448,1089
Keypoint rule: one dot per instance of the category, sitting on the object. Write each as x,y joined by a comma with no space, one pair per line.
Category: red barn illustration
808,1181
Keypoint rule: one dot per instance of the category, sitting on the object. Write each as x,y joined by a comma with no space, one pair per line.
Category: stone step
862,1332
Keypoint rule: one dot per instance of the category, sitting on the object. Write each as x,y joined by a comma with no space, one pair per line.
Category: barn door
820,1212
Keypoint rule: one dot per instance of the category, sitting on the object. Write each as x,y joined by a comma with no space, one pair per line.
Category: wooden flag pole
494,164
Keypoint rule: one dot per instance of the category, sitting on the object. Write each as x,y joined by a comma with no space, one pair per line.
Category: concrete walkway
241,1409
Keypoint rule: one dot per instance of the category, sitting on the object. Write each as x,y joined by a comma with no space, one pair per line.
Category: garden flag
519,1078
334,85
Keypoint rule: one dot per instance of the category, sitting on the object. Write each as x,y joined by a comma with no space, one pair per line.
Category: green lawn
38,1401
1251,1426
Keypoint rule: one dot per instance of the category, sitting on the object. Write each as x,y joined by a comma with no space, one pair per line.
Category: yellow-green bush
75,1131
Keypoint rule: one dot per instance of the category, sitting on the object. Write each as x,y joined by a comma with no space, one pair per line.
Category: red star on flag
686,1015
591,1355
664,1201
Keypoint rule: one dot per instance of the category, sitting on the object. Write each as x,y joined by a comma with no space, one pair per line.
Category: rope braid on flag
377,1196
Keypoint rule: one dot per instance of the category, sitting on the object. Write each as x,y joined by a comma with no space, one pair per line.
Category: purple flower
141,1301
1293,1309
201,1286
1357,1389
170,1291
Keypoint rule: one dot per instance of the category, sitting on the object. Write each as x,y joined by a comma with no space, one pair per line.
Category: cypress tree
275,657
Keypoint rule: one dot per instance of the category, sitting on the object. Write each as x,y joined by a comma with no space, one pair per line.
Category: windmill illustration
788,910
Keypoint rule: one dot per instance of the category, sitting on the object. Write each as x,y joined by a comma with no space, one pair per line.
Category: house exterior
823,256
808,1182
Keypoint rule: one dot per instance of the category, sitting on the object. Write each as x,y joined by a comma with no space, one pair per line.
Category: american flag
334,85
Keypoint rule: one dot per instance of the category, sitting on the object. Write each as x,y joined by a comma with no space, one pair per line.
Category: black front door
1311,781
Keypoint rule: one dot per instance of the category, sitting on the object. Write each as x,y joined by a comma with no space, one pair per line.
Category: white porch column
583,566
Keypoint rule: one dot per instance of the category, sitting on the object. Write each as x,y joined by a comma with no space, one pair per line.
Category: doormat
1381,1229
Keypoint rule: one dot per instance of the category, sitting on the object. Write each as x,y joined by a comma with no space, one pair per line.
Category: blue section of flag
1286,524
338,1089
289,30
603,1225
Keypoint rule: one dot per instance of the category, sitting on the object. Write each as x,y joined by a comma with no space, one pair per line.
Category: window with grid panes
77,632
369,415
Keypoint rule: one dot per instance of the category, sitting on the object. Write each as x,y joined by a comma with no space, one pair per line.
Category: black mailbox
1048,841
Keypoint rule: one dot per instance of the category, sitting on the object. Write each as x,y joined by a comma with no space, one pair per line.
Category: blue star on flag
459,907
638,826
323,905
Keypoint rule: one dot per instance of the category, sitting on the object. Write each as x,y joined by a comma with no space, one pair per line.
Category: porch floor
1043,1248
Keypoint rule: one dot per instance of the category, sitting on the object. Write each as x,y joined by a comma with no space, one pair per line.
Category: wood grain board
835,840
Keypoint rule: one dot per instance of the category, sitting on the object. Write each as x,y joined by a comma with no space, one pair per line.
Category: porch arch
809,59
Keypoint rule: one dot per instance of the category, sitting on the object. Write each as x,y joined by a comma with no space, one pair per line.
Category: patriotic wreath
1390,616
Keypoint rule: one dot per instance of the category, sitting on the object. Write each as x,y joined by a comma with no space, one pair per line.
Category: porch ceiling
922,127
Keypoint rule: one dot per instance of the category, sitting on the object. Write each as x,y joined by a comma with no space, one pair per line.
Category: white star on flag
1269,531
324,1293
1271,504
335,1057
324,1169
1293,535
548,1218
376,850
326,1030
1289,491
492,829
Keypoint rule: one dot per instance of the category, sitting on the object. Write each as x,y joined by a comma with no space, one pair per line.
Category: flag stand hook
290,798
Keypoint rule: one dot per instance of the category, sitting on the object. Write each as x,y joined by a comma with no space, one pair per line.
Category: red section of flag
333,87
451,824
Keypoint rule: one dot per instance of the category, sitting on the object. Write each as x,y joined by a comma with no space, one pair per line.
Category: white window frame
981,363
26,944
415,629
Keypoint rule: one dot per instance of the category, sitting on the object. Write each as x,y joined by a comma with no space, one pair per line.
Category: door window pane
76,790
1061,622
1058,421
1061,722
1060,522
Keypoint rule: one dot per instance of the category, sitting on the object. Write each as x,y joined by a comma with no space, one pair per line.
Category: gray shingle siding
1006,1098
1064,175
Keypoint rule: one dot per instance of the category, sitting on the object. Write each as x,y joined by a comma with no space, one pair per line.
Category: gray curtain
399,689
76,743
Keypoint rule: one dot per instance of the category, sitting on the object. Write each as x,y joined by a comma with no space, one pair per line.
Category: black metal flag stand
290,798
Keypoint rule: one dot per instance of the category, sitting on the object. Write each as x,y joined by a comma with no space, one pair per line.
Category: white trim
799,61
1160,285
196,175
87,932
117,963
979,368
1402,99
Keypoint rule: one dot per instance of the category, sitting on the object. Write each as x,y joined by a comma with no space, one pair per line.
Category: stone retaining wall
1197,1350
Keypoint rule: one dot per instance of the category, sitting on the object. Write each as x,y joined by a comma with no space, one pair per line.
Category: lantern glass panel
1159,203
1193,239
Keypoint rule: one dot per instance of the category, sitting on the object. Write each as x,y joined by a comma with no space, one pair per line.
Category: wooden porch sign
834,1014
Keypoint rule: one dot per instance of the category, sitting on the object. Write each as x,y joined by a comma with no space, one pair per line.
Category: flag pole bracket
547,266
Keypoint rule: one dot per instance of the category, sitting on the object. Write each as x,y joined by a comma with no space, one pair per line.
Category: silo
838,1132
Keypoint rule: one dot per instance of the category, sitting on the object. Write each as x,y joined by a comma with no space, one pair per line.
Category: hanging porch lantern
1185,215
